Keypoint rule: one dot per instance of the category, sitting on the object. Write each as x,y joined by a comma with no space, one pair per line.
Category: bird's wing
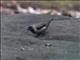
40,25
34,27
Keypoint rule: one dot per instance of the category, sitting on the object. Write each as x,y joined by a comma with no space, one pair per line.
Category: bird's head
29,28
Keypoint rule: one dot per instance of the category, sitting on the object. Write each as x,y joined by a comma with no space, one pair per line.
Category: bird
39,28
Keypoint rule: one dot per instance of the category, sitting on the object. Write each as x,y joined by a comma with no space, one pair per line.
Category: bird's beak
27,28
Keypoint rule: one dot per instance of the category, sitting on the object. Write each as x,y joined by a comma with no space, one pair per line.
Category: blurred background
61,41
56,7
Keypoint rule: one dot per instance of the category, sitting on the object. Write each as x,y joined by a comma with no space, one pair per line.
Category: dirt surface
61,42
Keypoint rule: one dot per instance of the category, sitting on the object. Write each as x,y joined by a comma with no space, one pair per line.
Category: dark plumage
39,28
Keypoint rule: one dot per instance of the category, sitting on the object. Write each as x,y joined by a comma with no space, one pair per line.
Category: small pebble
19,58
48,44
22,48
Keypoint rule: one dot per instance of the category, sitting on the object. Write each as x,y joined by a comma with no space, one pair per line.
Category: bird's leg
37,35
40,34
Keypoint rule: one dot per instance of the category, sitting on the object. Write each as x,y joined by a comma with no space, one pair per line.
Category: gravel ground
61,42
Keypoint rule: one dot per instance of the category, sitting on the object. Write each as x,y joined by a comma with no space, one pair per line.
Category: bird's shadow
40,35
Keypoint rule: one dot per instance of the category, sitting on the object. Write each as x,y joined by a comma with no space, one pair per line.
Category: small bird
39,28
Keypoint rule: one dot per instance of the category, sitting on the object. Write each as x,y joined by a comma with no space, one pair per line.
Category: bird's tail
49,22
